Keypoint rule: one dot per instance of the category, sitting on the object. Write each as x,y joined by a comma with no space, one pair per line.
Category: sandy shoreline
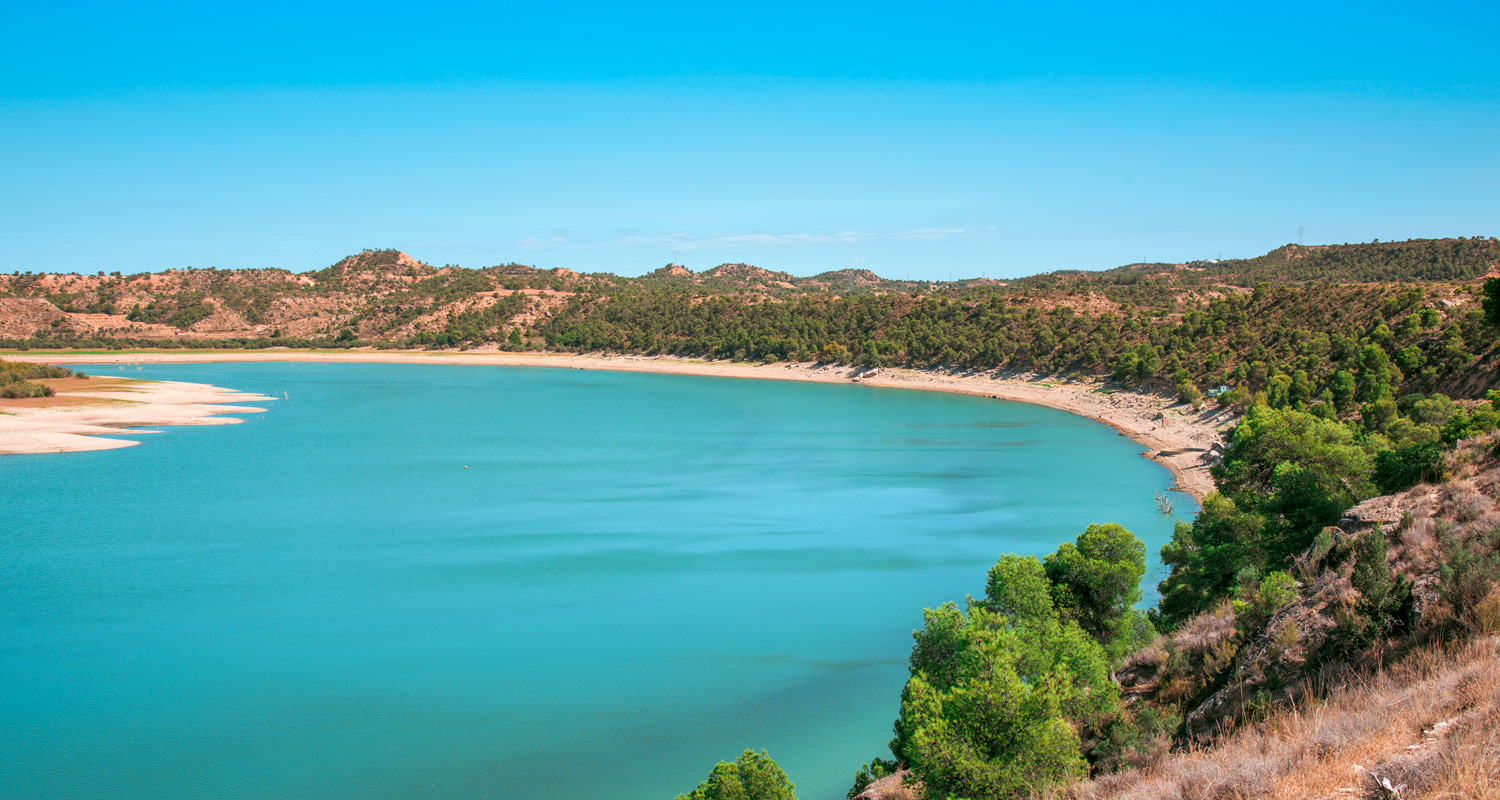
76,426
1177,438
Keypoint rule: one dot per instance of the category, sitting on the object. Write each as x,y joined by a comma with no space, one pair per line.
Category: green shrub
1470,570
21,389
1204,557
1384,598
1382,592
1261,600
996,692
752,776
1096,580
17,379
869,773
1401,469
1131,737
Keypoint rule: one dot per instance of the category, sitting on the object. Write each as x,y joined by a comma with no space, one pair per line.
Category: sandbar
74,419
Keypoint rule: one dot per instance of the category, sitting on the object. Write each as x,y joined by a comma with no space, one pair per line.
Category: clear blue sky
916,140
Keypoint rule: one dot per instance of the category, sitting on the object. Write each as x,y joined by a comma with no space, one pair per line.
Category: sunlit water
634,577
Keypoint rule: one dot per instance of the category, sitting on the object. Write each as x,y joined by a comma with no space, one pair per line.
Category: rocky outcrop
901,785
1271,668
1283,659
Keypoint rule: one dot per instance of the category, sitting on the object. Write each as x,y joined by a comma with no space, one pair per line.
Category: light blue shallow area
635,576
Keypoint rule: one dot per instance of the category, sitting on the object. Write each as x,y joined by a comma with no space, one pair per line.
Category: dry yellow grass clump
1428,726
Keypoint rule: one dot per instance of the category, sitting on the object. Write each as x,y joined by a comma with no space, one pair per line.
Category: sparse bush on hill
180,343
1288,475
1470,577
1428,723
1279,329
1351,599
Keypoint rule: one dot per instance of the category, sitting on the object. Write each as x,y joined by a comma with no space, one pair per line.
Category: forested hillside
1302,324
1460,259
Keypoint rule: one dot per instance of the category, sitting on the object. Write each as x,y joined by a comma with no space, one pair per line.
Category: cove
465,581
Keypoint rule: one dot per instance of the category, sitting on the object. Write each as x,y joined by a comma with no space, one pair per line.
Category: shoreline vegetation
1183,441
23,381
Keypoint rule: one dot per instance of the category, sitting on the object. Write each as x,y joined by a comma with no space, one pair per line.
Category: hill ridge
1287,322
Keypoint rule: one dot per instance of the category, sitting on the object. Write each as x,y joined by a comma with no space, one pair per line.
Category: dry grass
1419,538
1427,725
1205,630
1177,667
1430,722
55,401
1463,503
67,392
93,384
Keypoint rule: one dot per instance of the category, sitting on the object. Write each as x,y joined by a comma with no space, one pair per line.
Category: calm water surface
635,576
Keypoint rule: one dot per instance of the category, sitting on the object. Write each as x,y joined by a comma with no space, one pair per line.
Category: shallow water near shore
465,581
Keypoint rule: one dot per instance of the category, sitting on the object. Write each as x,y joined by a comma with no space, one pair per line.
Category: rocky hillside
386,296
377,295
1372,671
1311,700
1427,727
1428,532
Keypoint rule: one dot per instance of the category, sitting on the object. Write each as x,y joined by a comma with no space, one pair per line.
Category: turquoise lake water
636,576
